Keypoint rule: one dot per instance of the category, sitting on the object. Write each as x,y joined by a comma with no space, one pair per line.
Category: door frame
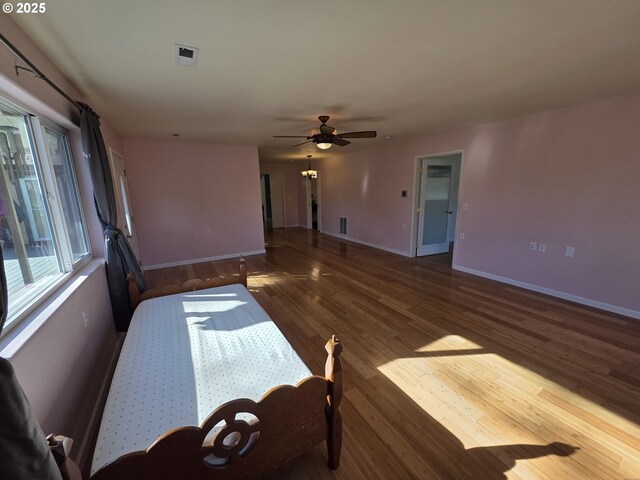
307,190
284,203
307,201
452,162
415,203
133,238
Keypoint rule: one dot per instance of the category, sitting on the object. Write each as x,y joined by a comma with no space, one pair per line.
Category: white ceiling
270,67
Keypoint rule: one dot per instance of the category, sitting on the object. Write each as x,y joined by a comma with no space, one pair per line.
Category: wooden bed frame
135,297
290,420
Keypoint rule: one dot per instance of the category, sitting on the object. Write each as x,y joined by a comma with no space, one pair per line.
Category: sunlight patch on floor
486,400
263,280
315,273
451,343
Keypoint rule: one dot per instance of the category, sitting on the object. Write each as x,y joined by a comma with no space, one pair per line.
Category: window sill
14,339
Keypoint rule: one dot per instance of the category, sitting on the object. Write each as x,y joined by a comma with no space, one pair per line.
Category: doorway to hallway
312,192
438,203
272,190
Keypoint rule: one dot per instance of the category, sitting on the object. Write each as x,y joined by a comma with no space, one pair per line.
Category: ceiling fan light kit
328,136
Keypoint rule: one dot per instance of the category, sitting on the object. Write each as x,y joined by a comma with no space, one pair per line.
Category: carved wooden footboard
287,422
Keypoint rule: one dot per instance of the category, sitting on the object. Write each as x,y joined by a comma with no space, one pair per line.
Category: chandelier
309,173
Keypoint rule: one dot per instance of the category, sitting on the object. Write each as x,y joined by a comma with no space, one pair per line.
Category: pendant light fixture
309,173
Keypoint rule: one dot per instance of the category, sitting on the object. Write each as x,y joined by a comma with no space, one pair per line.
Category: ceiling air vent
184,55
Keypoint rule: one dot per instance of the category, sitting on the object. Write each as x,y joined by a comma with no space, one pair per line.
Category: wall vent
343,225
184,55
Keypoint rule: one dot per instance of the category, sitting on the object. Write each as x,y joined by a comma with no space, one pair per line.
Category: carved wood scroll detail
286,422
290,420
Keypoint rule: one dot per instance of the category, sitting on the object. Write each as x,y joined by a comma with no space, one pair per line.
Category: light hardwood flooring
448,375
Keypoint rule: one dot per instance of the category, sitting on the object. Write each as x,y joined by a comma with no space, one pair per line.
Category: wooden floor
448,375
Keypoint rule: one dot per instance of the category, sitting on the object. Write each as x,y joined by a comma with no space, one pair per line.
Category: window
42,230
60,157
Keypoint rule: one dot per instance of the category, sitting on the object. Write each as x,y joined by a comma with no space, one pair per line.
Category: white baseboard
201,260
100,401
368,244
554,293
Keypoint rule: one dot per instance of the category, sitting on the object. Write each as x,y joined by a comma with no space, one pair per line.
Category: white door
276,188
438,204
123,203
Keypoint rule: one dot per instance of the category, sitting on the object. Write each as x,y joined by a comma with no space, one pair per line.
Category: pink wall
61,365
365,187
567,177
180,189
294,211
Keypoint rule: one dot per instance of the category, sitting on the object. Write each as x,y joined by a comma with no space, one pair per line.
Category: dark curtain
4,298
120,259
24,452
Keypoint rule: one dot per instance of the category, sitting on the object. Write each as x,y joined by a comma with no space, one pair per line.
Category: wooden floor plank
448,375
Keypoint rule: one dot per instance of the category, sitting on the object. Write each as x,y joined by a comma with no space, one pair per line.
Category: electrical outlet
461,235
569,251
85,317
533,246
465,206
542,247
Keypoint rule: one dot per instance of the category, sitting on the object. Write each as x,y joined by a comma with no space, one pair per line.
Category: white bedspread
185,355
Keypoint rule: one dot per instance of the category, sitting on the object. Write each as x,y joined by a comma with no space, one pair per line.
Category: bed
207,387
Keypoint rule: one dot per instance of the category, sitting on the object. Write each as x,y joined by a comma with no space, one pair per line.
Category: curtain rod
35,70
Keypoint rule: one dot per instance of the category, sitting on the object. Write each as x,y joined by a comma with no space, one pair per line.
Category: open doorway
312,190
437,209
272,188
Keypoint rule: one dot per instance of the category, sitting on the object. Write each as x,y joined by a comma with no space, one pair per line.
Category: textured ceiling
270,67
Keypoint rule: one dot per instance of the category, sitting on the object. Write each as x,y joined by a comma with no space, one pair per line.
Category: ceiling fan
328,135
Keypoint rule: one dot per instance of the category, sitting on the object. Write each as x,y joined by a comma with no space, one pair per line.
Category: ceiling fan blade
290,136
340,142
302,143
368,134
326,129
